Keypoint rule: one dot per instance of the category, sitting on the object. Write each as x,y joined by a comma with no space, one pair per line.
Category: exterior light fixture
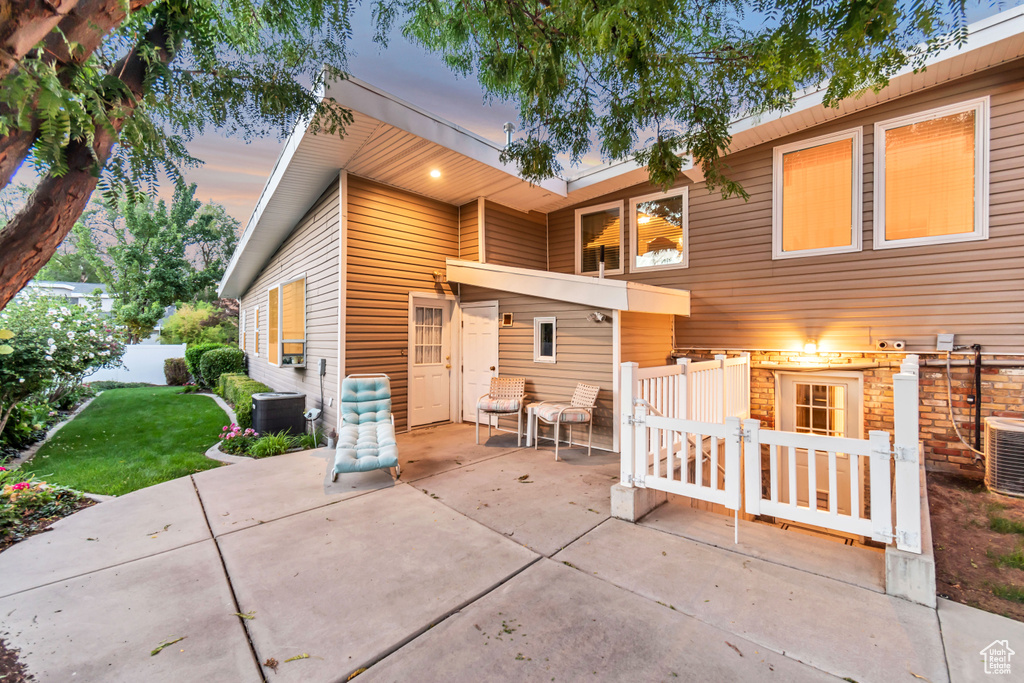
810,346
435,173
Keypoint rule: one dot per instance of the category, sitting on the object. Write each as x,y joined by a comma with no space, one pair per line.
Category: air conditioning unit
1004,455
279,411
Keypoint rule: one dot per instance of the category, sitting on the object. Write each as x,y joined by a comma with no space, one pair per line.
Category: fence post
881,501
628,390
723,399
752,467
733,441
908,466
684,389
746,382
640,445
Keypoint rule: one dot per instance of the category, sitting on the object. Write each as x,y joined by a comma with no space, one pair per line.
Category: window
658,230
816,196
931,177
429,325
256,331
599,227
293,323
241,330
543,340
286,324
273,322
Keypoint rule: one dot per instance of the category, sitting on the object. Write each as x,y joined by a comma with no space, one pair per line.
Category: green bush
231,382
271,444
175,372
243,400
216,362
194,354
104,385
222,383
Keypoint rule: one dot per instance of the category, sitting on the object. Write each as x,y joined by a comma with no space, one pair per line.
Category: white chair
579,410
506,397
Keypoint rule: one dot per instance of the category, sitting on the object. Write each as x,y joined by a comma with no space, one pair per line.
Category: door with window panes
430,366
829,405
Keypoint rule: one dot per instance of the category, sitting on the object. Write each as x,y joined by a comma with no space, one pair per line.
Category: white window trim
281,341
270,291
981,108
537,357
856,398
241,331
634,248
620,205
857,196
256,332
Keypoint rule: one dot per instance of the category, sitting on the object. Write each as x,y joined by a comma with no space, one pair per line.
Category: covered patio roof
618,295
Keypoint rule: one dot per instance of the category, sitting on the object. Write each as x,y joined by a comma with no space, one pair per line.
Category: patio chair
506,397
579,410
366,437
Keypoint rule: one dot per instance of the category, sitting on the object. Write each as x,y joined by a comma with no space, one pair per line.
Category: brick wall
1002,391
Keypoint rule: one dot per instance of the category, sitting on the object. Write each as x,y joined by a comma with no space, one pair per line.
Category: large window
543,340
816,187
931,176
256,331
599,229
658,230
286,324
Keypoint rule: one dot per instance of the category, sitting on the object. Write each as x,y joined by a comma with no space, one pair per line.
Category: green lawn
128,439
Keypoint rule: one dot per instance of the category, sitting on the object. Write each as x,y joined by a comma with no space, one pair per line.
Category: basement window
543,340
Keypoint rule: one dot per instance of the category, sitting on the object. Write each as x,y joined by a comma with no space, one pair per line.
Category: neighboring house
408,248
75,292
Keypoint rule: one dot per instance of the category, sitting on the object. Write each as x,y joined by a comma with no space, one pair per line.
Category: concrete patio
485,562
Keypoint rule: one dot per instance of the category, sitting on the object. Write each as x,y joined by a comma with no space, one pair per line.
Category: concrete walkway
483,563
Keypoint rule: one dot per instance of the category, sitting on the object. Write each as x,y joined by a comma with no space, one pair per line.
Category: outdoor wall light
810,346
435,173
597,317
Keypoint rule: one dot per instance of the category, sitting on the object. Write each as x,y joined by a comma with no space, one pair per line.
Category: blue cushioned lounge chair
366,438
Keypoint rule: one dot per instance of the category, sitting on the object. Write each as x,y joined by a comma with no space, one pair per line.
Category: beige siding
583,353
646,338
742,299
469,232
312,248
396,240
514,238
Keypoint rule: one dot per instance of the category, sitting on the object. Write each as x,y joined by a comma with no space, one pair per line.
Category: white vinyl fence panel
141,363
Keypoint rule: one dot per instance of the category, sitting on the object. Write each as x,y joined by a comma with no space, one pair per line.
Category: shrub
216,362
176,372
222,383
201,323
243,400
271,444
104,385
307,441
194,354
236,441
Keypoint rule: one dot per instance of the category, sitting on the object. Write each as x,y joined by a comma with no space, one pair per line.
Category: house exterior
75,292
408,248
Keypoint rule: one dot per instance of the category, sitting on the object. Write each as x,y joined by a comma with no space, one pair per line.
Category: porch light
435,173
810,346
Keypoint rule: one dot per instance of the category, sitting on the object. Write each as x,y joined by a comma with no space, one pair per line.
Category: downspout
977,396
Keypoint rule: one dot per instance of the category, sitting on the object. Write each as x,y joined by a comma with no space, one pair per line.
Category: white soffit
619,295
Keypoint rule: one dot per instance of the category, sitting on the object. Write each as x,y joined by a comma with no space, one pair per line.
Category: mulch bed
37,526
976,535
11,670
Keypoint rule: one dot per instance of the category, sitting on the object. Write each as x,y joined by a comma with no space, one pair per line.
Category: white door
820,404
430,350
479,353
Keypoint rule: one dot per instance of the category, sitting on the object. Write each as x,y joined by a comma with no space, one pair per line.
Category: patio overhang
618,295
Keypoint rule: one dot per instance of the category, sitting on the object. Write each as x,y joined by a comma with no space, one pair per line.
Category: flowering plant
49,343
237,441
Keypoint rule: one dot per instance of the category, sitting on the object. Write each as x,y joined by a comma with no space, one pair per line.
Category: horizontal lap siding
312,248
396,240
514,238
469,233
646,338
583,351
742,299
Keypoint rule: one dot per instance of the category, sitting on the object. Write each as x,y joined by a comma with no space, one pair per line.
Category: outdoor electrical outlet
945,342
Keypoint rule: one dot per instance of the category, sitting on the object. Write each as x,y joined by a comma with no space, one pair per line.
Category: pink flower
21,486
224,429
3,469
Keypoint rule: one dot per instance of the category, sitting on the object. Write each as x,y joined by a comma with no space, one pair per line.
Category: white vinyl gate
707,458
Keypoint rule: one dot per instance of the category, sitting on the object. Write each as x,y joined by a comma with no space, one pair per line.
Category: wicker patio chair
579,410
506,397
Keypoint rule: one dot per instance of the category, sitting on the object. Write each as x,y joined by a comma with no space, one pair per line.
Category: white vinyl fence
141,363
684,435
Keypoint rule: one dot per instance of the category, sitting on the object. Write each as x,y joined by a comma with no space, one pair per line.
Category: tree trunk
86,24
23,23
33,235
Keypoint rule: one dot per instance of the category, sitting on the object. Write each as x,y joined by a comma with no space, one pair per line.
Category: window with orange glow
817,196
272,325
931,170
658,229
293,323
597,227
